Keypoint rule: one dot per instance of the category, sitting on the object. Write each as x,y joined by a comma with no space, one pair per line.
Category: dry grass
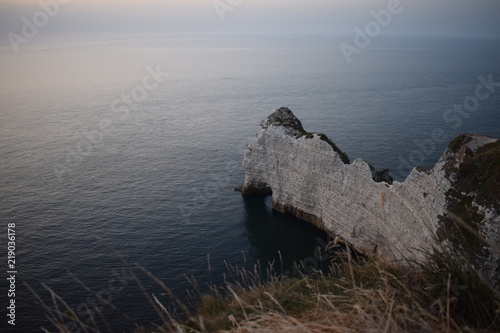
357,297
445,295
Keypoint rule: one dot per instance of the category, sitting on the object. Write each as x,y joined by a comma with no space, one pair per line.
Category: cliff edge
455,204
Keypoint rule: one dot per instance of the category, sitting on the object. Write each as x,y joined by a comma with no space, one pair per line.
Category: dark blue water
155,179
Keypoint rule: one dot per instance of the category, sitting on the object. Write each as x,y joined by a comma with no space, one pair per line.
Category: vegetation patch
458,142
475,178
284,117
481,174
461,227
422,169
382,175
309,135
343,156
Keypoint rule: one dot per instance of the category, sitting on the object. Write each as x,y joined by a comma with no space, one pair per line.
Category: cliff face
311,178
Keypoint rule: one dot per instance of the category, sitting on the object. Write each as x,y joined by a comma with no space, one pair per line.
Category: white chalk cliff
313,179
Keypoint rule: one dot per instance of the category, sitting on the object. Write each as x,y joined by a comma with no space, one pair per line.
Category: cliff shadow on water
289,244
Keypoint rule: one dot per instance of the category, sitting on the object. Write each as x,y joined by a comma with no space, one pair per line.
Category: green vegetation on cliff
475,177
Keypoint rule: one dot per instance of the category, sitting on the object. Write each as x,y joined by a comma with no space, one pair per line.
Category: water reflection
271,233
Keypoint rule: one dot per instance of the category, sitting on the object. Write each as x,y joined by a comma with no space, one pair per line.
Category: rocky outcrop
310,177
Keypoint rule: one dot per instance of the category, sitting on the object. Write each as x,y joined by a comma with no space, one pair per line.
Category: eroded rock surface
310,177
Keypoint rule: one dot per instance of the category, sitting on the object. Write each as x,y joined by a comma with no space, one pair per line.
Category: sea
119,155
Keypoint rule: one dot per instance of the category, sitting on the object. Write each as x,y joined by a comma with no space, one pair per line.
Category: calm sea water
156,184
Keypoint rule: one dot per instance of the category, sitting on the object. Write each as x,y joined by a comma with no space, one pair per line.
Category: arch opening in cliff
309,177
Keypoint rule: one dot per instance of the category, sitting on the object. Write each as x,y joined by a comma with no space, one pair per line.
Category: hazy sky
417,17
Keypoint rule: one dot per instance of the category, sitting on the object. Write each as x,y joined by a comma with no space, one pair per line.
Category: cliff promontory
455,204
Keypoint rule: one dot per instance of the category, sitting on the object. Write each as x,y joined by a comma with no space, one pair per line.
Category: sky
418,17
